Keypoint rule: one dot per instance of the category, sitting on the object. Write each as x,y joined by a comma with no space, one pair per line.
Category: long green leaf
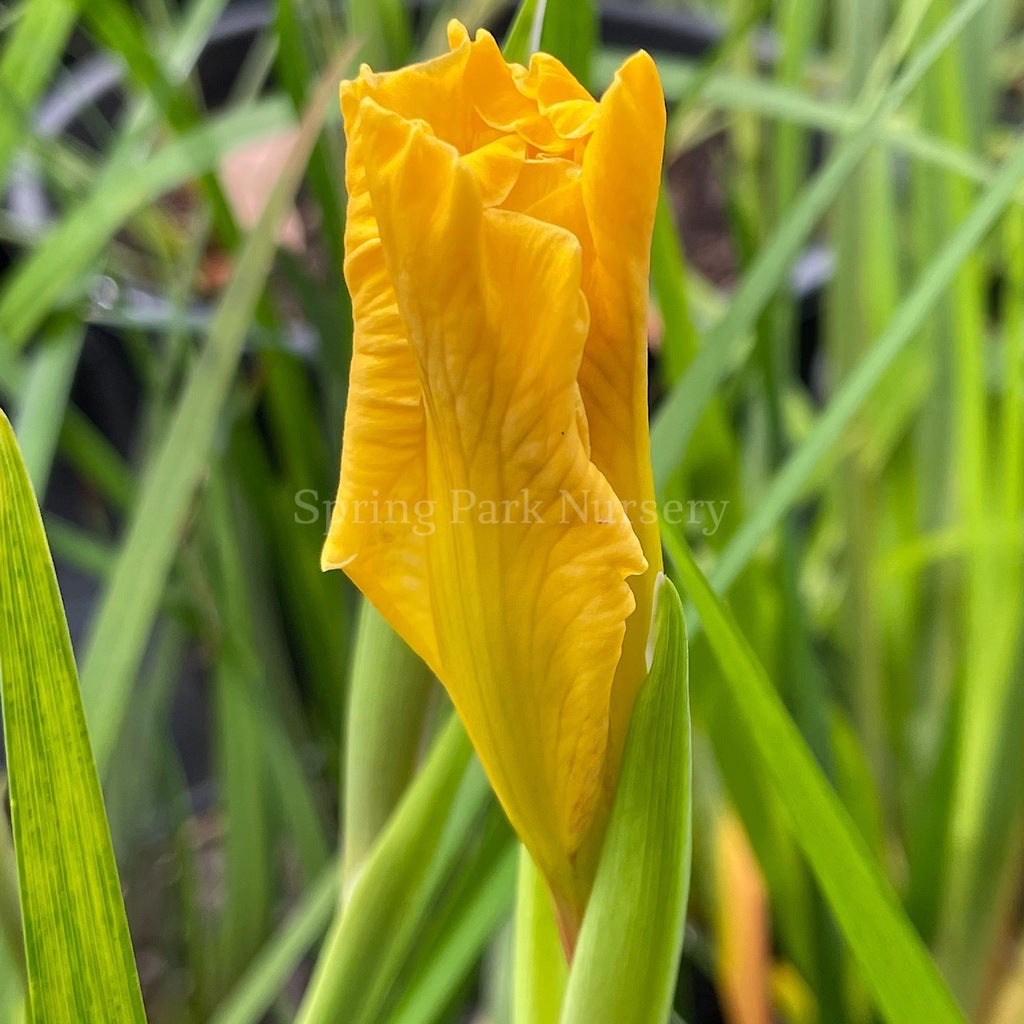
45,397
569,32
476,912
524,36
57,267
33,49
788,484
866,909
271,968
125,618
117,25
78,949
679,341
729,91
681,411
565,28
431,890
385,29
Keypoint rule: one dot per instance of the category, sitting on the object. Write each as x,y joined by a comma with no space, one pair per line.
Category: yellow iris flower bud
496,501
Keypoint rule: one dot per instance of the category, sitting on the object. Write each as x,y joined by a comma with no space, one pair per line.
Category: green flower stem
389,692
539,966
365,940
268,973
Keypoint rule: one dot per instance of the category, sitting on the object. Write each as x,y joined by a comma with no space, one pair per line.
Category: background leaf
865,906
123,624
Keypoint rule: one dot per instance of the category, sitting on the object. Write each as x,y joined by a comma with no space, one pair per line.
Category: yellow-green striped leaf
81,968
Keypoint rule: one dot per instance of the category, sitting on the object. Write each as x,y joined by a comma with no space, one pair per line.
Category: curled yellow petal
495,500
514,100
376,536
526,568
559,97
496,167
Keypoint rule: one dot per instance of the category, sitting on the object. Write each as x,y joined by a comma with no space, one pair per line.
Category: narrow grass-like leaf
125,618
79,549
96,458
192,38
295,70
283,734
78,949
524,36
730,91
570,28
868,913
55,269
625,965
316,611
565,28
858,307
242,773
679,341
472,915
257,764
44,400
383,27
271,968
464,819
680,413
33,48
118,26
791,479
979,861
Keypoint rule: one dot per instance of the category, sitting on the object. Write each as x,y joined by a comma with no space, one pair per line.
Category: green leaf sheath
624,968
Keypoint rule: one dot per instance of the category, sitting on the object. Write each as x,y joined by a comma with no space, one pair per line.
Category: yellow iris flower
496,501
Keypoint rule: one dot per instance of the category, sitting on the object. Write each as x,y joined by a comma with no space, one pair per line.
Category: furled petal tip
458,34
